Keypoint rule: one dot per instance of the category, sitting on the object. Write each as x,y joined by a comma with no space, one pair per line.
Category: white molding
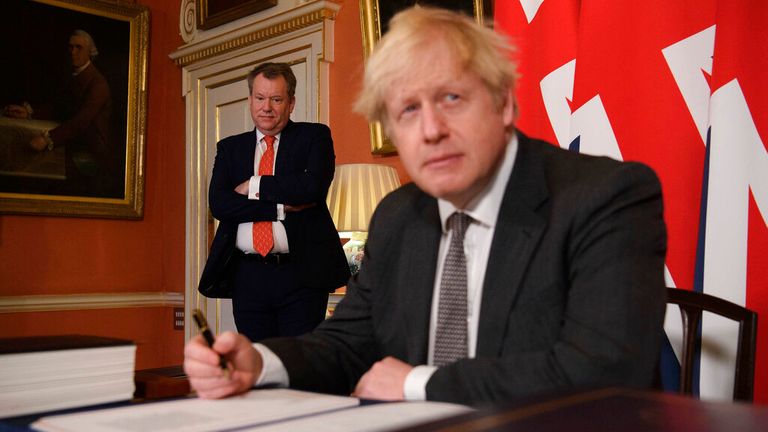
44,303
252,30
187,17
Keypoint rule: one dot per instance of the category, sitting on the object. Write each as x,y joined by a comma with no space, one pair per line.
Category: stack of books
47,373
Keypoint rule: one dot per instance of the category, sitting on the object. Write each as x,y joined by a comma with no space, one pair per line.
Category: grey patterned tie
451,334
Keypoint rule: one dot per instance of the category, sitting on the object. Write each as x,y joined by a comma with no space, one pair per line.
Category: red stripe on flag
548,42
741,53
620,59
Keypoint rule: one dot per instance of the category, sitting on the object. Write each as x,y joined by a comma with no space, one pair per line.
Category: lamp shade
356,191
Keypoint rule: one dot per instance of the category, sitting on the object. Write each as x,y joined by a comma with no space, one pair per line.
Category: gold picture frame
61,180
212,13
374,15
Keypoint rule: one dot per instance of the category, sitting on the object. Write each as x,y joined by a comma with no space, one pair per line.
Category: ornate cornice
258,35
187,18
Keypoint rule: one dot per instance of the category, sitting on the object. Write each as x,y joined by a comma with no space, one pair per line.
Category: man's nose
433,125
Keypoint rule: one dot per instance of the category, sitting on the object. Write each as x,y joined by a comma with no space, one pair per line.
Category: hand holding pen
242,368
202,325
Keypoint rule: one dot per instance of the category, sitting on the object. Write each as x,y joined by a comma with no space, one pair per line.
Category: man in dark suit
560,256
276,251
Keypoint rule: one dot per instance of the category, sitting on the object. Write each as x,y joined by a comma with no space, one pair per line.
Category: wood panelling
151,328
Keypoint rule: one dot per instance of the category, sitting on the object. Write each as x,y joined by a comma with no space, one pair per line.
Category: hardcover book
46,373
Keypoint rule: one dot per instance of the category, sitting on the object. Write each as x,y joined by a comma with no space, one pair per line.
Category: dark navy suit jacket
303,173
573,296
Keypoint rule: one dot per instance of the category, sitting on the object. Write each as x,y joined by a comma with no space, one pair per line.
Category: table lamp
352,197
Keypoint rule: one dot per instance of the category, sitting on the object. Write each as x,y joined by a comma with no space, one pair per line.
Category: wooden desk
611,409
161,383
618,410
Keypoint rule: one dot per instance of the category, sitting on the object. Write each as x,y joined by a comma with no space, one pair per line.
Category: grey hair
84,34
272,71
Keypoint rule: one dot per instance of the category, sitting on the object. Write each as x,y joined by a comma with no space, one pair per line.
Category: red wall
350,130
54,255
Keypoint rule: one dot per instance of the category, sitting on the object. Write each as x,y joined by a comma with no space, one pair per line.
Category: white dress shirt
484,209
244,240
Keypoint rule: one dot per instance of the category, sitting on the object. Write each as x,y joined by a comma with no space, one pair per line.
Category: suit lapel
424,237
245,155
519,229
285,149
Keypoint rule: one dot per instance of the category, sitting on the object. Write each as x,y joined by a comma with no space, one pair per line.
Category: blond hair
478,50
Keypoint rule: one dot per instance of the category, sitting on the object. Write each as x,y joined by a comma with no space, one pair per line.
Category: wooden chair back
692,304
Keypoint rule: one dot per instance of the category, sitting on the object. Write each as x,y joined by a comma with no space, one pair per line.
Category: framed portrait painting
211,13
73,100
375,16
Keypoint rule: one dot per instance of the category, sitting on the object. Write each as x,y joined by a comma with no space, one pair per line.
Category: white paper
370,418
257,407
273,410
40,381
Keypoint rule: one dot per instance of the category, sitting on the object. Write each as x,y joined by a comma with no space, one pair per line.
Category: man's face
79,51
271,107
449,133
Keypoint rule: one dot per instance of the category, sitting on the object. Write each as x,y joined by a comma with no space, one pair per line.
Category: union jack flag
680,86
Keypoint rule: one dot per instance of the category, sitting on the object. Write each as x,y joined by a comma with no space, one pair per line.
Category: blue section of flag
669,367
698,277
575,145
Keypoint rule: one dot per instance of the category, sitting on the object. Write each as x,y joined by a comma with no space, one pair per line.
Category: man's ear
291,104
509,107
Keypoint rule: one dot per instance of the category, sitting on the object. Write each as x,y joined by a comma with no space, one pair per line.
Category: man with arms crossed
276,248
564,252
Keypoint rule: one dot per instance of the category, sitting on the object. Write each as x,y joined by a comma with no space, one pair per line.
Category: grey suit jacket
573,293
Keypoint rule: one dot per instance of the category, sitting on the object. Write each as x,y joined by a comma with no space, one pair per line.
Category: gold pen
202,325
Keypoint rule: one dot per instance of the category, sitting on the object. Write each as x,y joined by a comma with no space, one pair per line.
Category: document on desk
256,408
269,410
378,417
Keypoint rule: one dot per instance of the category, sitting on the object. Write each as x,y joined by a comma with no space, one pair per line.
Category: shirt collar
260,137
484,208
81,68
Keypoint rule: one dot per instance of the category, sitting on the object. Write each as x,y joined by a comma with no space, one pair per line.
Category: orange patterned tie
262,231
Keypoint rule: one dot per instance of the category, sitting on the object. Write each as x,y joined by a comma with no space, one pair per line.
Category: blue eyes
445,101
440,103
451,97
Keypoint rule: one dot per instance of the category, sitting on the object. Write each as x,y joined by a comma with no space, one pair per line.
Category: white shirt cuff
415,387
253,187
280,212
272,372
